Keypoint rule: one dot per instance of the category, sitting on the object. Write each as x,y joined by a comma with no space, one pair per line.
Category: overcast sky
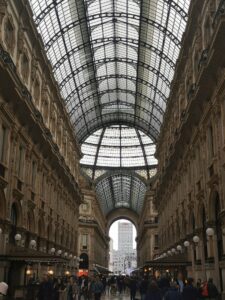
113,233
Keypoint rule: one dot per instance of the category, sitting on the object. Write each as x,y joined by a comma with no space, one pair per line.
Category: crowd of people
137,287
143,288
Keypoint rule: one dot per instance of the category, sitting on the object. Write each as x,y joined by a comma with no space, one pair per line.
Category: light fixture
67,273
196,239
0,230
18,237
50,272
59,252
173,250
28,271
179,248
71,256
65,254
52,250
33,243
169,252
186,244
210,232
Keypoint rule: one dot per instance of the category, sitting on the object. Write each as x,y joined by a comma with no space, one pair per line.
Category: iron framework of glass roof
118,147
120,190
114,61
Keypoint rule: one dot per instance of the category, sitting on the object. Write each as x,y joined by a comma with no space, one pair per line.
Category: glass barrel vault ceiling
114,61
121,190
118,147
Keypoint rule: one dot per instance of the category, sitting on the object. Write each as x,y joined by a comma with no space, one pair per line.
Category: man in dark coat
173,293
45,289
133,288
189,291
212,290
144,287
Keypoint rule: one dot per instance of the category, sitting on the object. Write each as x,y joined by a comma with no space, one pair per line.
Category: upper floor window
84,241
9,34
36,91
25,67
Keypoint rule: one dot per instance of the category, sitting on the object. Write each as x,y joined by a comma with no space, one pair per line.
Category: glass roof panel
100,46
120,190
114,61
118,146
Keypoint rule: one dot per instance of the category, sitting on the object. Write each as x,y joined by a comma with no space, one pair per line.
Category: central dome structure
118,147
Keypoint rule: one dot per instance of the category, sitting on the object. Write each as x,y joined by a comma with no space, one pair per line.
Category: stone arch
122,213
215,207
2,205
16,214
214,202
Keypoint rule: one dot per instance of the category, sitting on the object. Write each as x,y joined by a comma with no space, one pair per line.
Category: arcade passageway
111,109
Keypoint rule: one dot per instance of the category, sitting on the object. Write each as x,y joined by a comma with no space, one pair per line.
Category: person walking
153,292
212,290
189,291
133,288
173,293
97,288
143,287
72,289
45,291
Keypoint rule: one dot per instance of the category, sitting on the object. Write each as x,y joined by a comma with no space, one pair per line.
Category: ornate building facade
39,163
147,239
93,242
190,186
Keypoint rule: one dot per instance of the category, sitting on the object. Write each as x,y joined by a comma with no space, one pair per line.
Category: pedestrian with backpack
213,293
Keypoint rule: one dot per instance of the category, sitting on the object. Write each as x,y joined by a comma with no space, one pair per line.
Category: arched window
13,215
